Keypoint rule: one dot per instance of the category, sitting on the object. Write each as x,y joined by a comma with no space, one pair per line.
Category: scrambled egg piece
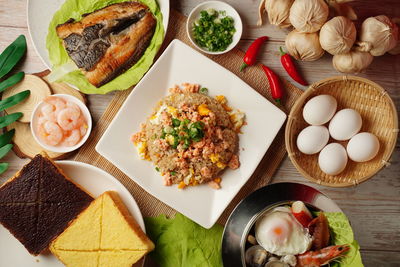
215,158
203,110
142,150
156,118
237,118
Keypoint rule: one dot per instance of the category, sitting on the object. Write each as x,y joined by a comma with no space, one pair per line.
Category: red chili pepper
288,64
251,53
274,84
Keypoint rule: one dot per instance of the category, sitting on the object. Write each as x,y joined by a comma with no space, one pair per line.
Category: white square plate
178,64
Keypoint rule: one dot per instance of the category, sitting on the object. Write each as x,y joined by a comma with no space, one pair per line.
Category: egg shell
363,147
345,124
312,139
333,159
319,109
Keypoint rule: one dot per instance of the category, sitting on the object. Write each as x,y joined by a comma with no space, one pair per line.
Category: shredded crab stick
301,213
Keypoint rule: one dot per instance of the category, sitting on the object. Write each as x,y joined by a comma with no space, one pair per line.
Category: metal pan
253,206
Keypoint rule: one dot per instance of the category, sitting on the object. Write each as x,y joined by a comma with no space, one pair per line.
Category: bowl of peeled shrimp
287,225
61,123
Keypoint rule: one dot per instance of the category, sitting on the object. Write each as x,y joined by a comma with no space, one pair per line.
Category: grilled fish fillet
108,41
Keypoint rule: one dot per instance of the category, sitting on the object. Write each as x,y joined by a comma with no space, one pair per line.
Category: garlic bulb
278,12
304,46
352,62
338,35
380,33
308,15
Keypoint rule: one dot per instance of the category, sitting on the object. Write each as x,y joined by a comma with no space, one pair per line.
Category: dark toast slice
108,41
39,202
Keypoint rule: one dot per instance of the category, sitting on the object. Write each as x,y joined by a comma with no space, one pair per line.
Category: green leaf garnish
3,167
12,80
12,54
5,149
181,242
6,137
13,100
8,119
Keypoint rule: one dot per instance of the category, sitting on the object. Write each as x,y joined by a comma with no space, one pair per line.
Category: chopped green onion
157,169
204,91
173,173
176,122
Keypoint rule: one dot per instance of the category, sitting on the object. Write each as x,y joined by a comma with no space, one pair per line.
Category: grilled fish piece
108,41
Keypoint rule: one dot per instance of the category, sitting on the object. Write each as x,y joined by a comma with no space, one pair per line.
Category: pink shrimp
321,257
214,185
72,138
50,133
54,104
68,119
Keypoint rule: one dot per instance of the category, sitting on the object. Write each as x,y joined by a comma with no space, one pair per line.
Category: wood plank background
373,207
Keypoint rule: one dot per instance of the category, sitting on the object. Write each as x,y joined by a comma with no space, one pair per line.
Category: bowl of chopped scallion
214,27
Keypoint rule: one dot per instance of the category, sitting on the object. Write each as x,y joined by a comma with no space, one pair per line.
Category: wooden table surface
372,207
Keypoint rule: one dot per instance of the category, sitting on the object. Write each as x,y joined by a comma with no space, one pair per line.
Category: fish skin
108,41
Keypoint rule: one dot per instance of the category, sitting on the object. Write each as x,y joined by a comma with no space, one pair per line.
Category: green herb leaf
157,169
173,173
13,80
8,119
6,137
5,149
13,100
3,167
12,54
180,242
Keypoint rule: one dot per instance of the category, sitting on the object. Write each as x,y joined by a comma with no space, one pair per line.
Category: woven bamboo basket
379,117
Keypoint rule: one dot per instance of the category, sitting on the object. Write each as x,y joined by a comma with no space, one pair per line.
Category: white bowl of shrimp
61,123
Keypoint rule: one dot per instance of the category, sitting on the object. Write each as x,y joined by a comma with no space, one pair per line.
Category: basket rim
300,101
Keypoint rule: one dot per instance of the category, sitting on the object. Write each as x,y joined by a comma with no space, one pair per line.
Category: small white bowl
62,149
218,6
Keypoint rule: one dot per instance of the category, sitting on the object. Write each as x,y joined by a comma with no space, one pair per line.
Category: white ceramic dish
202,204
62,149
40,13
95,181
218,6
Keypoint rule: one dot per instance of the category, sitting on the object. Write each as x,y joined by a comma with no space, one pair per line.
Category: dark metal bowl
253,206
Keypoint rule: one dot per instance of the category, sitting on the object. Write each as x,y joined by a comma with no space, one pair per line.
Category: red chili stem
290,67
251,53
274,84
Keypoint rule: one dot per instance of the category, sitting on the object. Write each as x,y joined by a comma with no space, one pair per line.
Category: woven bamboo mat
254,76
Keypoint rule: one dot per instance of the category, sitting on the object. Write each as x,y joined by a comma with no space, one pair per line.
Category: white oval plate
95,181
40,12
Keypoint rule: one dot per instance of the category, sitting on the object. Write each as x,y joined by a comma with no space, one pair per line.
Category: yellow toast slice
103,235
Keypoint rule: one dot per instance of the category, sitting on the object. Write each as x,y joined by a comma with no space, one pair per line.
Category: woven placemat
254,76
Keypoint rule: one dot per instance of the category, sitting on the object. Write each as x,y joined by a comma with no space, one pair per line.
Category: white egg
280,233
319,109
312,139
333,159
345,124
363,147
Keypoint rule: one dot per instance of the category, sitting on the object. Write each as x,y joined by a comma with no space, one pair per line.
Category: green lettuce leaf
180,242
58,56
342,233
